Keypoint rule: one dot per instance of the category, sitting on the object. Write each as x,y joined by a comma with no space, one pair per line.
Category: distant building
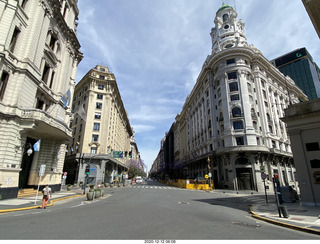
232,116
299,65
102,139
39,55
303,121
313,9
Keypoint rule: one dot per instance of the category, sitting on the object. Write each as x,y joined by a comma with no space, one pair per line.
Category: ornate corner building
39,55
232,116
103,138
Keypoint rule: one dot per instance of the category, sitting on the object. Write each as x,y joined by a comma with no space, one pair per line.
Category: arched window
225,17
236,112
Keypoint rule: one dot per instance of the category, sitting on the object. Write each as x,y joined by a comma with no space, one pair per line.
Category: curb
39,206
291,226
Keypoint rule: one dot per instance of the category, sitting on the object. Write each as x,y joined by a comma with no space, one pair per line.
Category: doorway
26,163
245,179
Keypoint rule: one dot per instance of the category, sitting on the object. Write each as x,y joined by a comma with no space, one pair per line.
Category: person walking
46,192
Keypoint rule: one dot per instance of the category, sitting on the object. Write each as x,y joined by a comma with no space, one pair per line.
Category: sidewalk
18,204
300,217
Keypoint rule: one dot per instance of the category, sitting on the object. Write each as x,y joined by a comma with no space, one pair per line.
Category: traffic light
126,154
130,154
87,172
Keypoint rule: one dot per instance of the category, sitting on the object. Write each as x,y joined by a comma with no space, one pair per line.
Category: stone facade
39,55
232,115
303,122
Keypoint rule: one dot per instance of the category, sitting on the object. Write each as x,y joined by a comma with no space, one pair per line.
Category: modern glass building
300,66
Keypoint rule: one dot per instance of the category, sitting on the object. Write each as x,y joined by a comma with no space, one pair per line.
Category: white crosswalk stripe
157,187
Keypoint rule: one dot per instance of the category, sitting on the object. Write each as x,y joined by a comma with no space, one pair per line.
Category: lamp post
209,171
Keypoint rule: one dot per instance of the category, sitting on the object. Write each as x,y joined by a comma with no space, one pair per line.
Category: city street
147,211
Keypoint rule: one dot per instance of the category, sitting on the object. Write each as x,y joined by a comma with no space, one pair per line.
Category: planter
102,193
90,196
97,194
106,184
69,188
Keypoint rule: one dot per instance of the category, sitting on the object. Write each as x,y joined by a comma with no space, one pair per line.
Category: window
235,97
240,140
93,150
270,129
3,83
236,112
232,75
99,105
51,80
225,17
14,39
238,125
99,96
53,41
233,86
95,137
100,86
97,115
231,61
96,126
313,146
102,69
40,104
45,73
24,3
101,77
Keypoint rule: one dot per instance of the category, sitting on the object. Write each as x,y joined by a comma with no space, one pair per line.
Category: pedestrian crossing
156,187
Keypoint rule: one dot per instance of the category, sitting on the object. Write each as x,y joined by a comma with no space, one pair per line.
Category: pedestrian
46,192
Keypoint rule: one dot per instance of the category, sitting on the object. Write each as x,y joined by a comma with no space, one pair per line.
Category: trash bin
284,211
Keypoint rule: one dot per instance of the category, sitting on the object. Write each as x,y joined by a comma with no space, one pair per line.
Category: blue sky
156,49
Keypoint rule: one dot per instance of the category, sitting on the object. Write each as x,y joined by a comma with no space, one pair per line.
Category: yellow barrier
182,184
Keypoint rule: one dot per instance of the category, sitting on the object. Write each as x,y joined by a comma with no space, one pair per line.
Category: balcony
44,124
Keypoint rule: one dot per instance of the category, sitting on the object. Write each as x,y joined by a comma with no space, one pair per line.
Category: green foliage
136,168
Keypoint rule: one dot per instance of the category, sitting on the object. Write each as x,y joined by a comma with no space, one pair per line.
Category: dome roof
224,6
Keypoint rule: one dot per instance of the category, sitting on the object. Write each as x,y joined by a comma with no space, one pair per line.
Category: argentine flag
36,146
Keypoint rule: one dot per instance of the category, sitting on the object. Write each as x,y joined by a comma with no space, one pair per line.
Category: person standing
46,192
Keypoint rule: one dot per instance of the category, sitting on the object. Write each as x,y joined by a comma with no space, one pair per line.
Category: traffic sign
117,154
263,176
206,176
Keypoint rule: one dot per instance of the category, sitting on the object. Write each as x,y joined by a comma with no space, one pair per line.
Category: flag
36,146
66,98
82,113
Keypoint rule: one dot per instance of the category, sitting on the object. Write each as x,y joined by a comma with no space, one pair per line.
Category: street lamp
29,152
209,171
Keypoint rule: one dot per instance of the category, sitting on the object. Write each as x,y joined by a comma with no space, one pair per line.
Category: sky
156,48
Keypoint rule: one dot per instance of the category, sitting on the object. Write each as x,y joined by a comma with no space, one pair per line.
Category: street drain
246,225
183,203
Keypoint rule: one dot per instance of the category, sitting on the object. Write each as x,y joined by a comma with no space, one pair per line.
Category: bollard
284,211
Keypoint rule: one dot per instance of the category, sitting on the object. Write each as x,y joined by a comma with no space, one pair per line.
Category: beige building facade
102,136
39,55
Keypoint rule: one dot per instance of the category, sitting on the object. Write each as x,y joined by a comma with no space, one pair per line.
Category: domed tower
228,31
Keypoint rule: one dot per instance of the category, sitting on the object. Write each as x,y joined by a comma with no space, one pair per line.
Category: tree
136,168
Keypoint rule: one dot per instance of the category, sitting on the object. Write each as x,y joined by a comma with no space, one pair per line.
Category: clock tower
228,31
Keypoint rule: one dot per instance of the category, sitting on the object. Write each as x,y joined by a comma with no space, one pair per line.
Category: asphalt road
150,211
